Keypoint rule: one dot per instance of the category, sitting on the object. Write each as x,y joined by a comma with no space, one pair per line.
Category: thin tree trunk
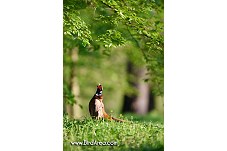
74,110
77,111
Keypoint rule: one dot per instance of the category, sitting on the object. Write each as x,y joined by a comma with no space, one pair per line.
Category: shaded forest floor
143,133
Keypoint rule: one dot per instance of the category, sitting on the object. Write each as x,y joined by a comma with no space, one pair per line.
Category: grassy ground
133,136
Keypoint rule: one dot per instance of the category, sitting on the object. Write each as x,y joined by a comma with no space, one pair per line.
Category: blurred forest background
119,44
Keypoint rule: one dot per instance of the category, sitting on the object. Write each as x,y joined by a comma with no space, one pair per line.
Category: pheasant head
99,90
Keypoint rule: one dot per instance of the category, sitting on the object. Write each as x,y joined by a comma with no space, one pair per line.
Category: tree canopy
94,25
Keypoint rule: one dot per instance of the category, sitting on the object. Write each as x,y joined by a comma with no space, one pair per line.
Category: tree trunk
141,103
137,103
77,111
74,110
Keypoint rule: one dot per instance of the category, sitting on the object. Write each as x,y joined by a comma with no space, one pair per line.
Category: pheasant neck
98,93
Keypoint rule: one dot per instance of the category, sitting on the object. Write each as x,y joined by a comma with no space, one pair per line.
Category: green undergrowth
133,135
153,117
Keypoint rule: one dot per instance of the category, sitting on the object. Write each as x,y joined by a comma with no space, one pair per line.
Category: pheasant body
96,106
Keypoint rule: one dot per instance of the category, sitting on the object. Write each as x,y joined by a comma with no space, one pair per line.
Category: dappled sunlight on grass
134,135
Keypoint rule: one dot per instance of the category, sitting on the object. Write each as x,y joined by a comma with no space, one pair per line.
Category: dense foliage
101,25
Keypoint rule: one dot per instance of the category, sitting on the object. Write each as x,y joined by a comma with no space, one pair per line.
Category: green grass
133,136
153,117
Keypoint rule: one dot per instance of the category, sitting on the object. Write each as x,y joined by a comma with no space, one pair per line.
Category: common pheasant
96,106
